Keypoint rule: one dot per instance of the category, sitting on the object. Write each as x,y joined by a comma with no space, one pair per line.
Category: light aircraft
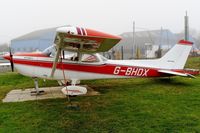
74,57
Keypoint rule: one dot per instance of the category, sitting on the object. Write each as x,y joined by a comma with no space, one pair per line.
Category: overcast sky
19,17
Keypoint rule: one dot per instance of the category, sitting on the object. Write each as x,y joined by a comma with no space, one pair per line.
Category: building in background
149,43
34,41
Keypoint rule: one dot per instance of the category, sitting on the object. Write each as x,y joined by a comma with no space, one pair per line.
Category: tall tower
186,27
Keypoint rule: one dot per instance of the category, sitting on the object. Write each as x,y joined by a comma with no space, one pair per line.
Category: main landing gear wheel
71,91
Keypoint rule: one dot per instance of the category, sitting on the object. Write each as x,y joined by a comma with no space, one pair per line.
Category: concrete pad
50,93
15,92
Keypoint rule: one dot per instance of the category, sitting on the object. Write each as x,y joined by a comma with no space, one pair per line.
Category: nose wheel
36,92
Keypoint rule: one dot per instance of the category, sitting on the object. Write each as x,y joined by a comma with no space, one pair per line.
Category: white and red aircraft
74,57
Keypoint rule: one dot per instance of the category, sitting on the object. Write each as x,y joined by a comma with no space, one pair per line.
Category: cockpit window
72,56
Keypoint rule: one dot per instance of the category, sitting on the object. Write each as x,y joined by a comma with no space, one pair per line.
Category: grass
125,105
193,62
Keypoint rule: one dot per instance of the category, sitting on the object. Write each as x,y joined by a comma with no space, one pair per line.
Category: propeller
11,60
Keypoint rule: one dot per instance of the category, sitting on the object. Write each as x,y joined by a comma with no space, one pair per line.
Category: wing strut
55,61
58,41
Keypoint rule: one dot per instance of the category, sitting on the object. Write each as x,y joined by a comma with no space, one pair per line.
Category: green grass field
125,105
193,62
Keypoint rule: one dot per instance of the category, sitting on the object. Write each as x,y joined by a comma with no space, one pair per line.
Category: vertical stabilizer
177,56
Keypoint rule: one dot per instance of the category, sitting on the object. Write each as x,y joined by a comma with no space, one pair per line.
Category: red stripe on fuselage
110,69
33,54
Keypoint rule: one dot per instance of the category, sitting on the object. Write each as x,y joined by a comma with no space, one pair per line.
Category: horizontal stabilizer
176,73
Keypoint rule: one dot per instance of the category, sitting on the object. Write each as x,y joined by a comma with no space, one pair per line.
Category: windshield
103,58
50,51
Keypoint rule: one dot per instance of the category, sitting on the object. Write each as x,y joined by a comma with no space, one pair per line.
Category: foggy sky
19,17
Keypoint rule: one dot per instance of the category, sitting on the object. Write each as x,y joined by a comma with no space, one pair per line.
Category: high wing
82,40
173,73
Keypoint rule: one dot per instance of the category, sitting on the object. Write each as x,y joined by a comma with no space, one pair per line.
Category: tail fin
176,57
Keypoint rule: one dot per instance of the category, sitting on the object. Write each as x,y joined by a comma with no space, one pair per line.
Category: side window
89,58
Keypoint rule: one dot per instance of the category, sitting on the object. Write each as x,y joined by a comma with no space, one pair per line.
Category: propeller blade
12,65
11,60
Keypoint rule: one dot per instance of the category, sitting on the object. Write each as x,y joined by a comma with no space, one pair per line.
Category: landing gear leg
37,91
